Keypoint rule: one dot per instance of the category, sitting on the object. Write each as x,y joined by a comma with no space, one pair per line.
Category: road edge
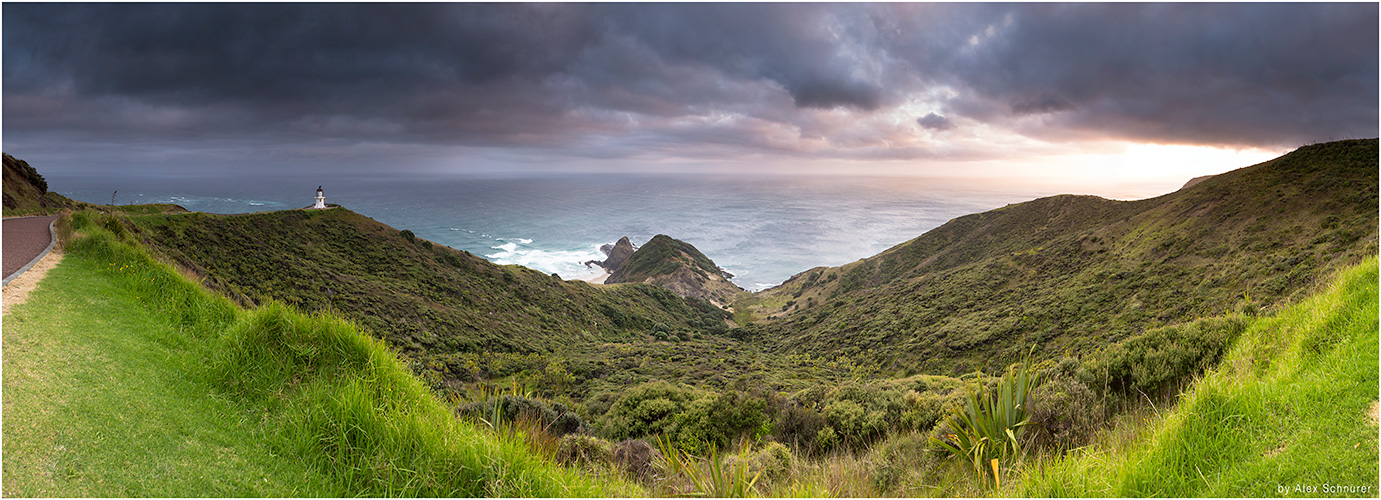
52,240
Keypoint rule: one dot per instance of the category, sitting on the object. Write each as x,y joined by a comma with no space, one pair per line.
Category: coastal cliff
618,255
676,265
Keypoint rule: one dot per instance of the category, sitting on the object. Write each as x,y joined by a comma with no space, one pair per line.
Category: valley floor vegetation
201,396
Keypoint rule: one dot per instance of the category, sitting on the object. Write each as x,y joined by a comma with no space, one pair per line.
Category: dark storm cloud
935,122
424,68
807,49
564,75
1044,103
1255,74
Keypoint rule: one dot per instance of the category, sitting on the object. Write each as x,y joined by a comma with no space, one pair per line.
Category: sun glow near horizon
1116,170
1135,171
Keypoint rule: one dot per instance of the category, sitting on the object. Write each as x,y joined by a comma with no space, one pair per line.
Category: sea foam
566,263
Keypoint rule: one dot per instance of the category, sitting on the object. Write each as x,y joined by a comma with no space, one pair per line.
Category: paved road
24,239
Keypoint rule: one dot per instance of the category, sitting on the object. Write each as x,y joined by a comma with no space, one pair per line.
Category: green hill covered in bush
677,266
1069,274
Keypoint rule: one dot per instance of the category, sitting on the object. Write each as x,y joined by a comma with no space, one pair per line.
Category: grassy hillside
102,399
125,379
459,317
26,191
1070,273
679,267
1290,411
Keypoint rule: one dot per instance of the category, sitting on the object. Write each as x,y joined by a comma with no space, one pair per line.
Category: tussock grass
318,408
343,402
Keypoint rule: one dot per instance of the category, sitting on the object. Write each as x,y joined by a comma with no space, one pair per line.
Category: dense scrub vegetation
1195,416
1290,410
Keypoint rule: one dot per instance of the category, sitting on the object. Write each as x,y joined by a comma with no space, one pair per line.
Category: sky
1099,93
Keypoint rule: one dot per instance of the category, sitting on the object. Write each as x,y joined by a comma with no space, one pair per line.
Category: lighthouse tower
320,199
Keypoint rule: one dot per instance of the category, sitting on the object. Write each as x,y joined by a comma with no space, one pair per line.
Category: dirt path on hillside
17,291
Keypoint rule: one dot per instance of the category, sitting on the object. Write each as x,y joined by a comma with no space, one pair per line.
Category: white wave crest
569,263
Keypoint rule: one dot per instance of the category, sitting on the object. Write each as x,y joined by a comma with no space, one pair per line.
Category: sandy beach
598,280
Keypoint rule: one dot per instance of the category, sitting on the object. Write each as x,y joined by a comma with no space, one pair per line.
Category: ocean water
763,230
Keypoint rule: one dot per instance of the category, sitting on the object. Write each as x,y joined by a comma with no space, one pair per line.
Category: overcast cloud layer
304,83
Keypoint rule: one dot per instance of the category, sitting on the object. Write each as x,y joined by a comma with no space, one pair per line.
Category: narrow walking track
25,240
26,257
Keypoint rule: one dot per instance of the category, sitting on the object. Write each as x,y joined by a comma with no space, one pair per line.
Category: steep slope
618,255
677,266
458,316
1069,273
26,191
1256,423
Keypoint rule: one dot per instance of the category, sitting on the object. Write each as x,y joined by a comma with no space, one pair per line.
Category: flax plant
986,427
714,479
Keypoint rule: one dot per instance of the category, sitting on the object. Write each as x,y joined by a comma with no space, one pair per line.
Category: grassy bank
125,379
1288,412
102,398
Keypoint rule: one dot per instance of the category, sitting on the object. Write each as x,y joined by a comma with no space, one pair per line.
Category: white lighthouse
320,199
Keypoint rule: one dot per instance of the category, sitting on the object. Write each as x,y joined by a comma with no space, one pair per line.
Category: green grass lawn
101,398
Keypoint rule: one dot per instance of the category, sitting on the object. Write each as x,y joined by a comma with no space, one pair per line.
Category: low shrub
557,419
925,409
716,420
772,461
1065,412
798,425
898,458
648,409
1158,360
827,439
861,414
636,458
583,449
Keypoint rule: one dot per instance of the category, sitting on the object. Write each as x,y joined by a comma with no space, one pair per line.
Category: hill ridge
1064,270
